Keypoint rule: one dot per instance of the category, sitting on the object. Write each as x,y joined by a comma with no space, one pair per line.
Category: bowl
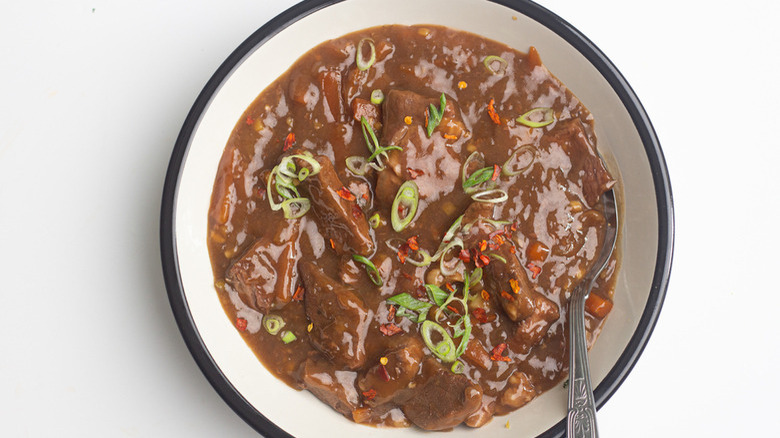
626,140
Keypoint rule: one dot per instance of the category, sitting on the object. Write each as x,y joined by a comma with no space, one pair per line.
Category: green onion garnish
490,196
363,64
371,270
548,114
458,367
464,340
406,201
478,177
444,267
434,115
437,294
410,307
375,221
295,207
447,238
444,349
368,133
490,61
495,256
357,165
283,179
288,337
377,96
476,276
273,323
512,167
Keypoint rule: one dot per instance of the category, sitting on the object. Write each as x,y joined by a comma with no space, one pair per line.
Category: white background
93,94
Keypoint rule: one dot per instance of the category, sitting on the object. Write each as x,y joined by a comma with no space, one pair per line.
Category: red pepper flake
365,196
426,118
344,193
402,253
249,120
464,255
480,315
485,295
289,141
241,324
492,112
370,394
498,239
357,213
481,260
412,242
497,353
535,270
483,245
449,287
391,313
450,137
414,173
298,295
382,371
453,309
507,296
512,249
390,329
496,172
332,244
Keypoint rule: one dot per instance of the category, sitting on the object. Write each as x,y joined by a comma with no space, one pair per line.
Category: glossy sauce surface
550,222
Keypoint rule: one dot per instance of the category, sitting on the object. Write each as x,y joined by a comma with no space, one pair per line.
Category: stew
398,220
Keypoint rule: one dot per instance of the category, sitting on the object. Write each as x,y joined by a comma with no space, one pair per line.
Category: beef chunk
532,329
403,363
334,387
510,285
586,166
333,104
400,103
483,414
265,274
443,402
338,315
335,215
518,391
363,108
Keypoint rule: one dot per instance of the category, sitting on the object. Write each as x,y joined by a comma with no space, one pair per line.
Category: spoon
581,418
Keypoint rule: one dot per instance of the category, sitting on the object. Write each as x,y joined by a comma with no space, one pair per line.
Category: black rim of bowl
661,182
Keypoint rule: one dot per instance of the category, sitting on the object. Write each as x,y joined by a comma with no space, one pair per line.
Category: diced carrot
598,306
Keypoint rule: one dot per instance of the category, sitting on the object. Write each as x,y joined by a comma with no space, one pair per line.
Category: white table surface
93,95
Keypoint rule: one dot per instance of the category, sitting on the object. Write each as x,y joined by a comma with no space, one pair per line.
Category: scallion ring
295,207
303,174
458,367
363,64
444,349
406,200
308,159
273,323
465,168
375,221
371,270
357,165
547,113
377,97
369,135
444,267
288,337
425,258
491,196
490,60
478,177
476,276
464,340
512,166
447,237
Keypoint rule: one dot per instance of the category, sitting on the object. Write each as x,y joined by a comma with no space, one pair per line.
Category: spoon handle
581,419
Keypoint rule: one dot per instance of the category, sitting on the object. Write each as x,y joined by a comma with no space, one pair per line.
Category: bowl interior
618,138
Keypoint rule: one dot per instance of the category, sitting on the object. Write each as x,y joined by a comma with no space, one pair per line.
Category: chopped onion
363,64
407,198
549,117
486,196
444,349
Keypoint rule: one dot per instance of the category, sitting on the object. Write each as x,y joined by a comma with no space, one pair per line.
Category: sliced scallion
371,270
409,302
357,165
513,166
547,114
491,196
365,64
437,294
491,60
425,258
434,115
288,336
444,349
406,201
375,221
447,237
480,176
495,256
377,97
464,340
450,268
273,323
295,207
458,367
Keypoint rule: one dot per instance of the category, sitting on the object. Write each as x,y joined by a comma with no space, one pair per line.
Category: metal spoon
581,419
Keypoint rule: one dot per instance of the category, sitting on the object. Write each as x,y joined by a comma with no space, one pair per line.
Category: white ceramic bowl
626,139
